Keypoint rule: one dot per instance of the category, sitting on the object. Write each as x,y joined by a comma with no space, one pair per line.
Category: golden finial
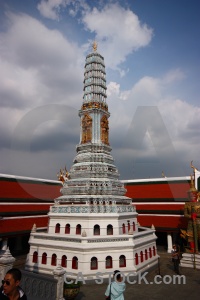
67,176
61,176
192,186
163,175
94,46
193,167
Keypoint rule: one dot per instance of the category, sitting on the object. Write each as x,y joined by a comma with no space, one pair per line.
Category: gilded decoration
94,46
63,175
94,104
104,130
192,213
190,209
86,129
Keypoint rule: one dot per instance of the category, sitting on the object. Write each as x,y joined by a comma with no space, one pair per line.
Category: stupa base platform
190,260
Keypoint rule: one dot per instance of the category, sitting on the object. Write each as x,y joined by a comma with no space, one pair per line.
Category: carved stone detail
93,208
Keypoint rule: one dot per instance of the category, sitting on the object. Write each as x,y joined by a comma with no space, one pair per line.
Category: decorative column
59,276
169,242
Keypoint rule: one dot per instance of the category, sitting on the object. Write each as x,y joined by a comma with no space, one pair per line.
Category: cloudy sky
151,50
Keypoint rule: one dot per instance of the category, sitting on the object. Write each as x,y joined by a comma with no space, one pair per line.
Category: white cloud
148,90
113,88
50,8
31,44
181,120
38,65
119,31
174,75
19,86
120,37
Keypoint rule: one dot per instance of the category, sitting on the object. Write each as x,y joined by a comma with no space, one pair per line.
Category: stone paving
165,290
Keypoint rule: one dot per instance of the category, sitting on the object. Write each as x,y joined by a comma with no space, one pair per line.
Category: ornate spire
93,178
94,79
94,111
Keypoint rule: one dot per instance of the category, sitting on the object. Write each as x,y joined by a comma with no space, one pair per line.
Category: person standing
10,289
116,288
175,258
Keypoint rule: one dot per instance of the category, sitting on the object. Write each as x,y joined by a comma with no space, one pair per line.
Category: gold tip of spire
94,46
193,167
